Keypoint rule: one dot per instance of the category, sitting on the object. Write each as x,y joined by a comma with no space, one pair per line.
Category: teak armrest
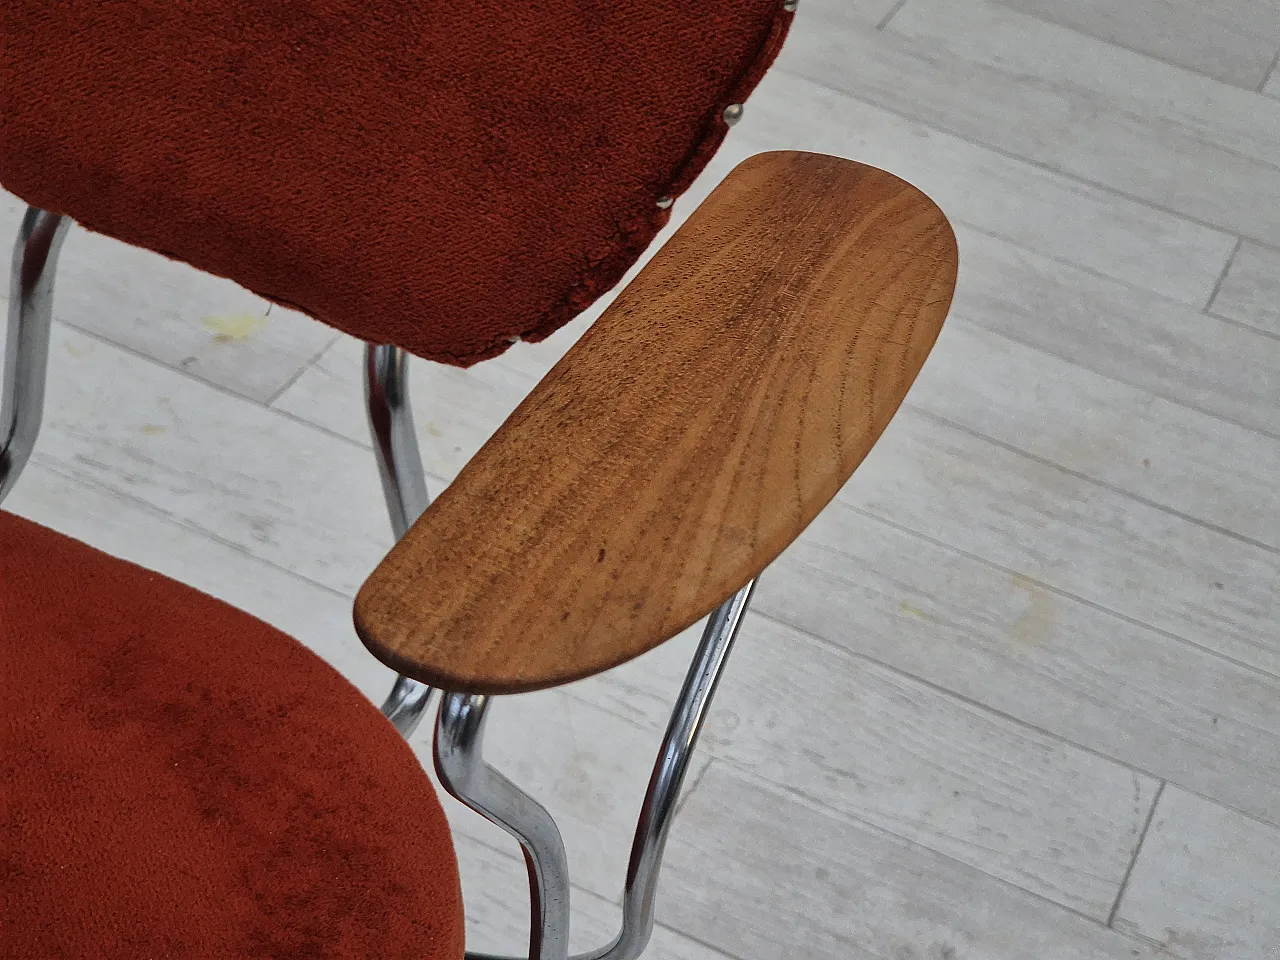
690,435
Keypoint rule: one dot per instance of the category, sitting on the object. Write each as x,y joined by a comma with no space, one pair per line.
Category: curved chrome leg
463,772
657,812
406,705
26,354
404,487
395,444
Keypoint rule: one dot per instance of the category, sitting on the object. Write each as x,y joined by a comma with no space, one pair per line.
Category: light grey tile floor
1016,694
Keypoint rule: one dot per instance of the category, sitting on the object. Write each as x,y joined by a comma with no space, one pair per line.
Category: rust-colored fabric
182,780
440,174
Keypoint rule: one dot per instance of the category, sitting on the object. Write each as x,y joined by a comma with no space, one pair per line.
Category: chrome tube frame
460,726
462,770
26,345
404,487
406,705
658,811
464,773
395,442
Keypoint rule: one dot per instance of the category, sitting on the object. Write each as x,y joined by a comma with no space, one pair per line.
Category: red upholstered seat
439,174
182,780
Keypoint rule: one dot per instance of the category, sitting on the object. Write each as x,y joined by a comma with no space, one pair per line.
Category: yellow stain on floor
151,429
914,611
1036,621
233,327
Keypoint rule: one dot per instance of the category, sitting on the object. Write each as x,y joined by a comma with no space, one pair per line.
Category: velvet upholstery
183,780
445,175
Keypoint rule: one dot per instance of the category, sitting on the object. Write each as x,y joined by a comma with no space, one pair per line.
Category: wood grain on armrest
691,434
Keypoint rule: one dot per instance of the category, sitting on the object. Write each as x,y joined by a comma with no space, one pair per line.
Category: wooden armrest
690,435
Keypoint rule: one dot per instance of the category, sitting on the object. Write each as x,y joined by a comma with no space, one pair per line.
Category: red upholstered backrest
441,174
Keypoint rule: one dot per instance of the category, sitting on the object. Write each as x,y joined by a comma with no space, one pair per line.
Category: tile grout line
833,646
269,402
1114,44
1082,267
962,317
201,381
688,791
1124,109
1271,72
1137,850
717,949
1168,634
147,358
1158,394
1244,326
1222,277
893,12
1020,158
517,860
1119,491
845,653
918,46
823,810
178,520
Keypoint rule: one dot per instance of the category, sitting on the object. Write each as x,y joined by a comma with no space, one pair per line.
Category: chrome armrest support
658,811
404,487
26,351
395,443
467,777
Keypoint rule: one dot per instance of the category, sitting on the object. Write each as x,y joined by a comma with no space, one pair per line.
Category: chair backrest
445,176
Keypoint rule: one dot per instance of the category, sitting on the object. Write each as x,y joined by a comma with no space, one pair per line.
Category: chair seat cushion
183,780
440,174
